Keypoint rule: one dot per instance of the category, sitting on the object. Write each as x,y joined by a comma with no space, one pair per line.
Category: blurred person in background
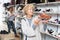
10,19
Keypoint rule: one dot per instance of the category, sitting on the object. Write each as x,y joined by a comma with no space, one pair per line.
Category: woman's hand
44,21
36,22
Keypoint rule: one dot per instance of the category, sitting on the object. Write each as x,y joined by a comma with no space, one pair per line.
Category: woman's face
12,9
30,11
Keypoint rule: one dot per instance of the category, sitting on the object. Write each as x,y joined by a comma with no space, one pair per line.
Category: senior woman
29,24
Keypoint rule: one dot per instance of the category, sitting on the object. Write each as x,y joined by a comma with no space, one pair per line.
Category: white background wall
2,9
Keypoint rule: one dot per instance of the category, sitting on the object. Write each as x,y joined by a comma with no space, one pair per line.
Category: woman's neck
29,16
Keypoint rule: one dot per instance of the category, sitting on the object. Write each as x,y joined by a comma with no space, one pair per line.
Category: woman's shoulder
23,18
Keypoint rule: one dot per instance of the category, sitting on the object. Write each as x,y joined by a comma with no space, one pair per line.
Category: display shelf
54,2
56,24
49,12
50,35
55,14
49,3
37,12
52,13
41,4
